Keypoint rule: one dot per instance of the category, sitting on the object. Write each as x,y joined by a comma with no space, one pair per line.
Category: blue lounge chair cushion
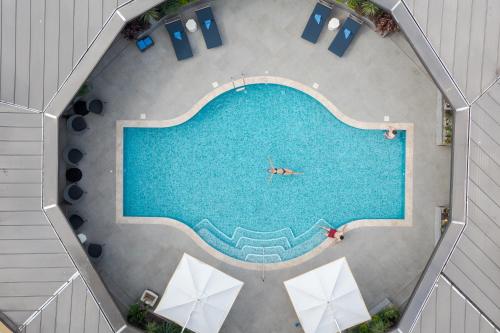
208,23
317,17
178,35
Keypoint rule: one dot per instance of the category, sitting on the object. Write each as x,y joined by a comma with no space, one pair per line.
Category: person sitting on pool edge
391,133
333,233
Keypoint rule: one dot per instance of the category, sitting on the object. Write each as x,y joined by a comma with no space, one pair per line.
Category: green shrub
363,328
390,316
152,327
137,315
382,322
378,326
151,15
171,6
84,90
369,9
354,4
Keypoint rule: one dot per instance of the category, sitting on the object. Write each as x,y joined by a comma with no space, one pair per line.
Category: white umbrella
198,296
327,299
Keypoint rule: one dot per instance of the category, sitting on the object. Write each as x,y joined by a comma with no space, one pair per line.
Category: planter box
441,222
444,122
149,298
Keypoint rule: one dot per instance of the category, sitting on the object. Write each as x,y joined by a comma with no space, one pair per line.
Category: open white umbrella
327,299
198,296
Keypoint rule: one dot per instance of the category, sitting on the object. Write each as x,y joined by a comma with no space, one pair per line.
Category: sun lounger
345,36
209,27
179,40
316,22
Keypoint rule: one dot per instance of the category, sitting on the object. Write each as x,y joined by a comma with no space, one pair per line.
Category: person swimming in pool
280,171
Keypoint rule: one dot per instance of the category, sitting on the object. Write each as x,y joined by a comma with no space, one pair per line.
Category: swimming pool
210,173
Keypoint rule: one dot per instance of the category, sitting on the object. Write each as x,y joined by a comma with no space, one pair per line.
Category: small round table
333,24
191,25
82,238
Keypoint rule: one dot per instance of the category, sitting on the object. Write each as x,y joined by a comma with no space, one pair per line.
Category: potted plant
385,24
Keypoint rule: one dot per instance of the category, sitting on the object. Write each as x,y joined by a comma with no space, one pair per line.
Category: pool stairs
262,247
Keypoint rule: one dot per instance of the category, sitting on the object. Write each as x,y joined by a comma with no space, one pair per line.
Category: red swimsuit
331,233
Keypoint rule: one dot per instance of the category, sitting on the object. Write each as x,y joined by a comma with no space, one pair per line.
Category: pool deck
377,77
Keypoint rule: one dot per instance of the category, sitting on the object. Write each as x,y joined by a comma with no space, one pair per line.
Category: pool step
262,243
266,247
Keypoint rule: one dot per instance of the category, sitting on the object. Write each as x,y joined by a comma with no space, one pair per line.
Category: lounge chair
316,22
209,27
345,36
179,40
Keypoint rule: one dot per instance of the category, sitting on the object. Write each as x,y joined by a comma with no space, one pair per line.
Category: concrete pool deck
377,77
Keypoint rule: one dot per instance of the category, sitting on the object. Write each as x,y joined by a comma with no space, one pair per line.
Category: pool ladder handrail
241,87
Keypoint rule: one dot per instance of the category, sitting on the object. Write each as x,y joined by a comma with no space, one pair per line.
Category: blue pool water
210,173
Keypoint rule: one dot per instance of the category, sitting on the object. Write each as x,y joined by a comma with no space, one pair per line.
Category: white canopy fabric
198,296
327,298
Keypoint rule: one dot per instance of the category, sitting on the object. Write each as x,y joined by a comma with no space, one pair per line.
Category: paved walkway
376,77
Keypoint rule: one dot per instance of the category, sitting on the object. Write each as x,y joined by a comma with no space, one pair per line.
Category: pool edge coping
408,127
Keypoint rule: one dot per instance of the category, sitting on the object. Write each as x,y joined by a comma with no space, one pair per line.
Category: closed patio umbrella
327,299
198,296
